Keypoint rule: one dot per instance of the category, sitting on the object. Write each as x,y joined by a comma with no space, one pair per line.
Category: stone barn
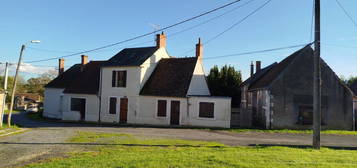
280,96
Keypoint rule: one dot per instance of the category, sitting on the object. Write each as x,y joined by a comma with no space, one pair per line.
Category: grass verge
286,131
124,150
13,111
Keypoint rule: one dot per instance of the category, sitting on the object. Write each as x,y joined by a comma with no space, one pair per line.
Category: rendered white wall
136,78
222,112
198,85
92,107
52,103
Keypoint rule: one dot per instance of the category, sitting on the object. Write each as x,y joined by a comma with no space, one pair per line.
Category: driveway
47,139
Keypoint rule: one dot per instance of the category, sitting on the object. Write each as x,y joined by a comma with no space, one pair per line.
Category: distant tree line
31,85
225,82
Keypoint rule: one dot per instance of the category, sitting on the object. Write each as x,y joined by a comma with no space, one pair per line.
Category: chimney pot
84,59
60,66
199,49
258,65
251,69
161,40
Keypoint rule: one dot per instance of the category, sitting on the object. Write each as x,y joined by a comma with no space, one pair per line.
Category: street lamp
15,81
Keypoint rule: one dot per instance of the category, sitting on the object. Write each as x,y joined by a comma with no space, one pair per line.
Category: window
119,79
161,108
113,105
77,104
206,110
305,115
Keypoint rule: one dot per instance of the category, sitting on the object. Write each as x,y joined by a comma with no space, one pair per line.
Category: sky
67,26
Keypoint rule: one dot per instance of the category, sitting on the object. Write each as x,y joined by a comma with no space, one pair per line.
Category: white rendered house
140,86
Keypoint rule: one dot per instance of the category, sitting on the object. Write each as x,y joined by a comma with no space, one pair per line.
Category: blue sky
69,26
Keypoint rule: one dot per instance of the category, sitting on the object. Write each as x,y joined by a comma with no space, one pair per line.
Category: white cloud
27,68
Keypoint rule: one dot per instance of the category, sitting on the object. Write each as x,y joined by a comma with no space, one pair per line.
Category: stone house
354,89
137,86
279,96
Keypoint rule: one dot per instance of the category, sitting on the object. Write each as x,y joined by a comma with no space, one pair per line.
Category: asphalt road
45,139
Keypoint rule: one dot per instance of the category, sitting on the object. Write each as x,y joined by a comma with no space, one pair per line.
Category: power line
257,52
143,35
232,26
346,13
169,35
239,22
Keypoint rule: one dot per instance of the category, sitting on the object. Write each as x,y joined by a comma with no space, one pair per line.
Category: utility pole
14,87
2,112
317,80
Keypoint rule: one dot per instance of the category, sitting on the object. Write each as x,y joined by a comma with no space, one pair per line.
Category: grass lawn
333,132
123,150
13,111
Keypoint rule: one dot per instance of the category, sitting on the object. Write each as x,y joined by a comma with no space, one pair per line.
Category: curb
14,132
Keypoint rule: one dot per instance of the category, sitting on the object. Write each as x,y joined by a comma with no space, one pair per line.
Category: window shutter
114,78
113,105
124,78
161,108
206,110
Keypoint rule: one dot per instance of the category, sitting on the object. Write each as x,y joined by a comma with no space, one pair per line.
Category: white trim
214,111
156,108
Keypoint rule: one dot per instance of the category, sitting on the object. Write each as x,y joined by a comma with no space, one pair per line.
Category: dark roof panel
88,81
131,56
258,75
65,79
354,88
171,77
275,71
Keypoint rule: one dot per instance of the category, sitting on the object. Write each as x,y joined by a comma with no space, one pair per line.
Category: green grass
13,111
286,131
123,150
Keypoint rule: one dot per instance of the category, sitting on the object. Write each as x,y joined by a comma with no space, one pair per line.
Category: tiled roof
276,70
88,80
131,56
354,88
258,75
171,77
65,79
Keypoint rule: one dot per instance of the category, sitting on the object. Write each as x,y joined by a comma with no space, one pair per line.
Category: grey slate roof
276,70
258,75
131,56
66,78
171,78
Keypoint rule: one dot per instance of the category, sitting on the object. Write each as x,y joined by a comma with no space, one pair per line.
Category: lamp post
15,82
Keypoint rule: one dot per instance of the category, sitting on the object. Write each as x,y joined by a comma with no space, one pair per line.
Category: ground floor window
161,108
206,110
113,105
77,104
305,115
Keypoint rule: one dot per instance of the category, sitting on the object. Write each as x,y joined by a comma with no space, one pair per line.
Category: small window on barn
206,110
119,79
161,108
113,105
305,115
76,104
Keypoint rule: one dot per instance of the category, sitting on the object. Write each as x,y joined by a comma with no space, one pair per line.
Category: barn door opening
123,117
175,113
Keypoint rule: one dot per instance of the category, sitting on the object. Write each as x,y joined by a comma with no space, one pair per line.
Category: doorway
175,113
123,117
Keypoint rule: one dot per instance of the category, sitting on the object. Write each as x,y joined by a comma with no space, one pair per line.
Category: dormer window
119,79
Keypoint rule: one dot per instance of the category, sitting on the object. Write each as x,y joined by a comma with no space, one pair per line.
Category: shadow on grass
110,144
301,146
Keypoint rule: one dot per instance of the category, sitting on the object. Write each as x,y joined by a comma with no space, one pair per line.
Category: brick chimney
251,69
258,66
199,49
60,66
161,40
84,59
